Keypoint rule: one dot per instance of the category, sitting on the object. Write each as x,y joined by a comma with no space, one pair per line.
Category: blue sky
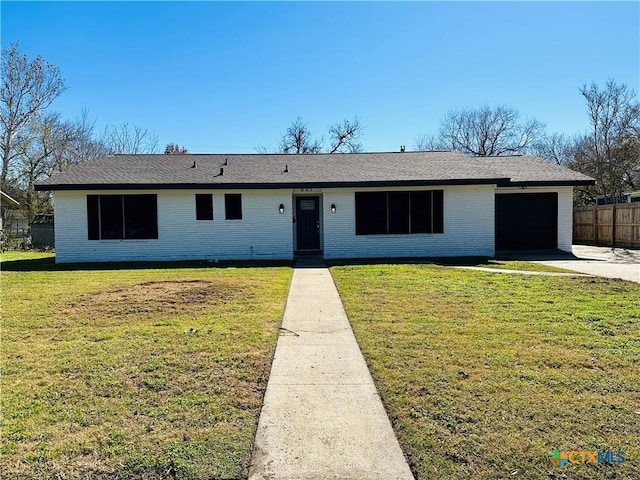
230,77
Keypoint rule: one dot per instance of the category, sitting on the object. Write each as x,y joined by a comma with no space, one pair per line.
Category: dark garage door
526,221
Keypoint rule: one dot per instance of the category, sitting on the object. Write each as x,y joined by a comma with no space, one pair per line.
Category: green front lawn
134,372
500,264
483,374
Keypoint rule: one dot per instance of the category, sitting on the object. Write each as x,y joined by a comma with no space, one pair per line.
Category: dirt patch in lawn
160,297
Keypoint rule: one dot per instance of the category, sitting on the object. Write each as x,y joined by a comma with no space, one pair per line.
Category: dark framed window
233,206
437,211
399,212
111,217
93,216
204,206
119,217
371,213
399,208
421,212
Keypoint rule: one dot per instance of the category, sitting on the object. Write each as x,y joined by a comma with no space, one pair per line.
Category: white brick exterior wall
468,227
263,233
565,218
565,211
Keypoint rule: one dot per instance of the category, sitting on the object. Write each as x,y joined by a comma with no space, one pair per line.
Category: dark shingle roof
528,170
323,170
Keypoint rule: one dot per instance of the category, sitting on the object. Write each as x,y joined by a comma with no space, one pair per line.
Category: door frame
498,226
320,220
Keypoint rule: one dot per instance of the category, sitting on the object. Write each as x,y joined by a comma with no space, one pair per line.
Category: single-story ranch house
277,206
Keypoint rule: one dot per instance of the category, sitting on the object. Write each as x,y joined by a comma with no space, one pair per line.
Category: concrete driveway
607,262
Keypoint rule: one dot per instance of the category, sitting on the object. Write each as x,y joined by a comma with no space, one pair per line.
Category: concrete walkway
622,263
322,417
522,272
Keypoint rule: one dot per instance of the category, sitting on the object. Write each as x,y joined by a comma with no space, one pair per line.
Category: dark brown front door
308,223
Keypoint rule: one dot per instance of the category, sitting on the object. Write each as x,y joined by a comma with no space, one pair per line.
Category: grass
26,256
484,262
134,372
502,264
483,375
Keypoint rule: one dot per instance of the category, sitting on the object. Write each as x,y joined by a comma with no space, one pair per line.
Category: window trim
209,207
95,225
435,218
229,206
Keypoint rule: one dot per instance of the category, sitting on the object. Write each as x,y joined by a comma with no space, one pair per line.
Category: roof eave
550,183
9,200
267,186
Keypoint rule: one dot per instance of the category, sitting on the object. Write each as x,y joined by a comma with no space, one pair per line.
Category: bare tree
610,151
48,145
629,151
299,139
429,143
175,149
488,131
557,148
129,139
84,147
345,137
28,88
40,151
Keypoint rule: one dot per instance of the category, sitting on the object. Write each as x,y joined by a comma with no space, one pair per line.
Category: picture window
379,213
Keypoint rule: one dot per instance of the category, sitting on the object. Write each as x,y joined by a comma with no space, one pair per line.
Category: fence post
594,209
613,225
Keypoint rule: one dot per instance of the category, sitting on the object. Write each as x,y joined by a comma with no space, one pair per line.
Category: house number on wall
305,189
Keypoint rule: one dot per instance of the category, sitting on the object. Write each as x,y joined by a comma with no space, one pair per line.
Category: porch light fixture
281,209
333,208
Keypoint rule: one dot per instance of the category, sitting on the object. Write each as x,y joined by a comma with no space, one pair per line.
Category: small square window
204,206
233,206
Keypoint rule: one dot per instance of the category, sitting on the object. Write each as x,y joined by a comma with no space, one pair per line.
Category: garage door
526,221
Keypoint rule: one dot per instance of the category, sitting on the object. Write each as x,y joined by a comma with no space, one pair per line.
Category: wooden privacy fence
607,225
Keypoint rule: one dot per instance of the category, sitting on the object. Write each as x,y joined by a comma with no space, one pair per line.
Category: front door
308,223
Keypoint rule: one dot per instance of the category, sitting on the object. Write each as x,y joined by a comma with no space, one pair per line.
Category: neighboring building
631,197
42,233
217,207
5,201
